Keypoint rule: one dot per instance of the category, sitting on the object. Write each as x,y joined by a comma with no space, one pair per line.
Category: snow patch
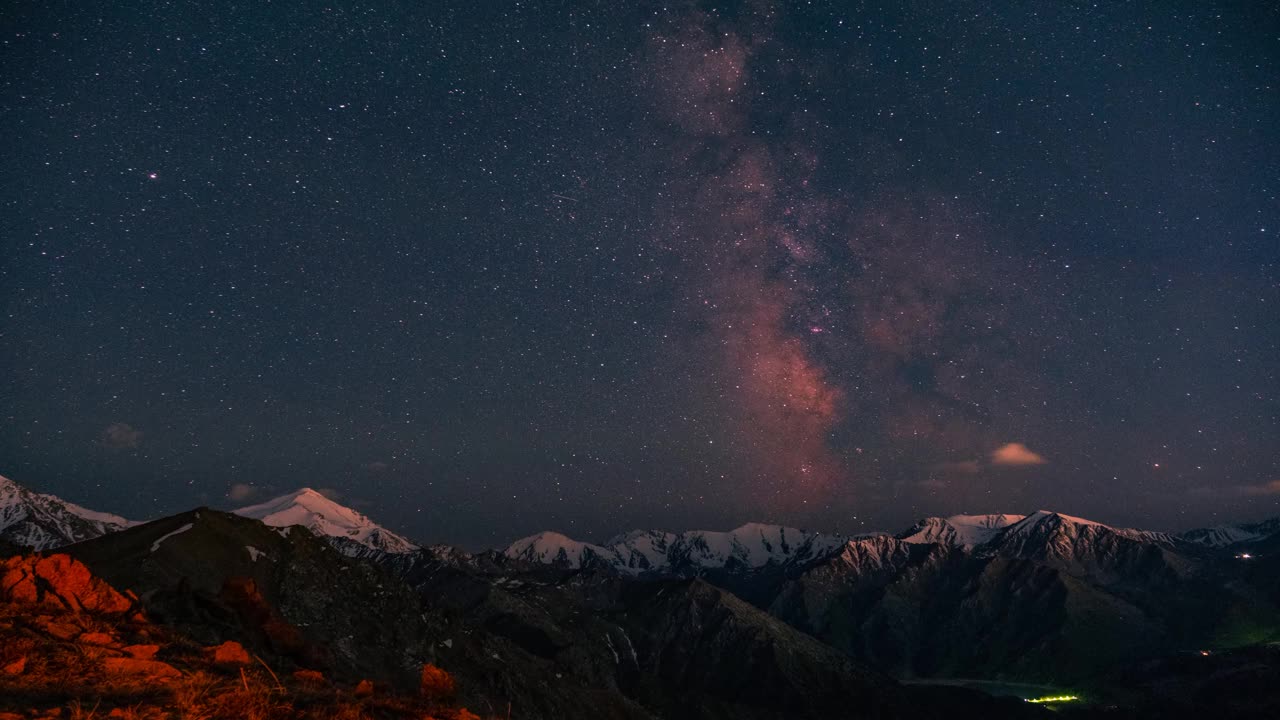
156,545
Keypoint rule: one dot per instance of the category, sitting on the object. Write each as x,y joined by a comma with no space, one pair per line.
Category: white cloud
1016,454
241,491
1271,488
120,436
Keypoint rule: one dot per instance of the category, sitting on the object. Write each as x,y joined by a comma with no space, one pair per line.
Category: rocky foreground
71,646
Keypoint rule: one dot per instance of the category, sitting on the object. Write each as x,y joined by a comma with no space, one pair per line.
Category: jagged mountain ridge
42,522
1044,534
752,546
598,646
1222,536
38,521
961,530
1036,597
1046,596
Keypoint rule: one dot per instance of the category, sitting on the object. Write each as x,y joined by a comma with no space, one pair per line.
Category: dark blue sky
489,268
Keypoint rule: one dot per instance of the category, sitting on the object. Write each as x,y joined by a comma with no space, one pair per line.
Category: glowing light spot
1054,699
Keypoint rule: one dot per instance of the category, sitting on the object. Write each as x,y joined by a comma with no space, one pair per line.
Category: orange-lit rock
152,670
364,689
436,683
58,581
453,714
230,653
309,677
17,667
60,630
97,638
142,652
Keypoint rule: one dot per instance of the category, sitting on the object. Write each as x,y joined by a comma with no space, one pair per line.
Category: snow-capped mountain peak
348,530
959,530
42,522
753,545
552,548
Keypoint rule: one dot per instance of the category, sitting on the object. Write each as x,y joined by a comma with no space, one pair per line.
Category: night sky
487,268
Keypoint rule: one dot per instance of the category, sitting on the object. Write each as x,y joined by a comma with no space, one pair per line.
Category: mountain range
650,623
38,521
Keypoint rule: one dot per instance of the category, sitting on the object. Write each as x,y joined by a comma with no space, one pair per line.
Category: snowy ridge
1041,520
349,531
751,546
870,555
1066,541
974,531
43,522
552,548
959,530
1222,536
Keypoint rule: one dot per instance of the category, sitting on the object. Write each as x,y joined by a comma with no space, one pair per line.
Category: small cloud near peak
1016,454
240,492
120,436
1271,488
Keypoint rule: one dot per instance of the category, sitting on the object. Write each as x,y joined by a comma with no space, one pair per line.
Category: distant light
1244,556
1204,653
1054,699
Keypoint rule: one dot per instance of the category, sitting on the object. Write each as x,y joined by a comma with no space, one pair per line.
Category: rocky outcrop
58,581
141,670
229,653
437,684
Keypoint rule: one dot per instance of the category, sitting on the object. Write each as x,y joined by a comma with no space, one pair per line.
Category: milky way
491,270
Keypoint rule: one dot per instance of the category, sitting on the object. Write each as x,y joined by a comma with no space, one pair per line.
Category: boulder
59,630
58,581
97,638
142,652
152,670
309,677
230,653
437,684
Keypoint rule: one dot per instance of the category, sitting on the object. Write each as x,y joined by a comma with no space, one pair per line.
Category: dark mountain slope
283,591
